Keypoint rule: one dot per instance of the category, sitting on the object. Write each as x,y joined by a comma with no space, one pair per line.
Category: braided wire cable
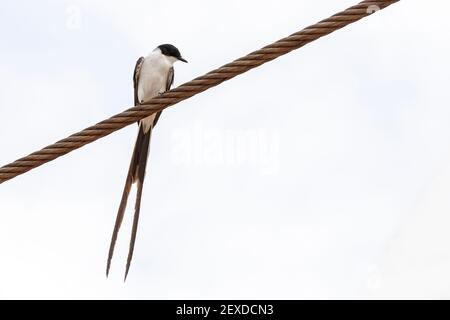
193,87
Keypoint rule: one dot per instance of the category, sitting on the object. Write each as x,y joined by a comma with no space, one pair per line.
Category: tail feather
119,218
140,172
137,210
136,173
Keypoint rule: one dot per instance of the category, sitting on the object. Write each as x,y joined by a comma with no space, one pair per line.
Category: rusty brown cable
193,87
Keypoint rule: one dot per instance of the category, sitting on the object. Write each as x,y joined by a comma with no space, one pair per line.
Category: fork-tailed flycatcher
153,75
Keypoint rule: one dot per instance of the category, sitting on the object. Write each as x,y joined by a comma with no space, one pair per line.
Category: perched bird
153,75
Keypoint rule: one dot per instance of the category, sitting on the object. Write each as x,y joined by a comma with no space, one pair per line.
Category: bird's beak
182,59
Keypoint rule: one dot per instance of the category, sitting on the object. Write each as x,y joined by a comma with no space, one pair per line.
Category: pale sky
323,174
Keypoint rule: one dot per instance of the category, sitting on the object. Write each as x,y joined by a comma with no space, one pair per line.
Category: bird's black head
171,51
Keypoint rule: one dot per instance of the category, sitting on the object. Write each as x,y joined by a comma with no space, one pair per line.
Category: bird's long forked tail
136,173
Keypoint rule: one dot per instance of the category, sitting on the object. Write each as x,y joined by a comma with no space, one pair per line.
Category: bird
153,75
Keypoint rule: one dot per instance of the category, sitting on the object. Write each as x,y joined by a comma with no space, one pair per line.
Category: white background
335,184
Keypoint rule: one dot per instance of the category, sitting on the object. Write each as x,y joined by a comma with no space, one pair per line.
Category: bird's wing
136,76
170,77
169,82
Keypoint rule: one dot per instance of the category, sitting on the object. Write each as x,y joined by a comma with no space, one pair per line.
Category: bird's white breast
153,79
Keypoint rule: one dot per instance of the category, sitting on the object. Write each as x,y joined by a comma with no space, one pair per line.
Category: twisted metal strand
193,87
